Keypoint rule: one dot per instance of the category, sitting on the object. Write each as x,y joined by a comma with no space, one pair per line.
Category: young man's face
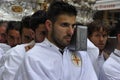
99,38
27,35
3,34
62,30
40,33
13,38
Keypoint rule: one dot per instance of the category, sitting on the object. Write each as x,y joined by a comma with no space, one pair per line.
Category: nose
101,38
70,30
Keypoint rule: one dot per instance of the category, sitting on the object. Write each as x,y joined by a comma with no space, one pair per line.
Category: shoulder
5,47
112,66
16,51
1,50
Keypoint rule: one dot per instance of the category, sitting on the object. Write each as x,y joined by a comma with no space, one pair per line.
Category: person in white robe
13,58
45,62
97,39
51,59
111,67
17,54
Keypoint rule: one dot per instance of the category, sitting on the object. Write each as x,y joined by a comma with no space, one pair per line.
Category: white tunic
12,62
1,53
112,66
13,59
45,62
5,47
93,53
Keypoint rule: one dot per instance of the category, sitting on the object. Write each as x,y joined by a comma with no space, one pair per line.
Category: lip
101,45
68,39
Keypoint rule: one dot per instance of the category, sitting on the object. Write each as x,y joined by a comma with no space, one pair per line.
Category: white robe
112,66
97,60
5,47
93,53
12,62
1,53
13,59
45,62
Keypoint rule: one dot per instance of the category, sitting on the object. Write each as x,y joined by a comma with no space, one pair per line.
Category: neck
100,52
61,47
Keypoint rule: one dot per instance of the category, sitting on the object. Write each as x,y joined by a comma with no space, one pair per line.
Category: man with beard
98,35
51,59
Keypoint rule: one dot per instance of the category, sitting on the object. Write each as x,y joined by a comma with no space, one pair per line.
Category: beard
60,42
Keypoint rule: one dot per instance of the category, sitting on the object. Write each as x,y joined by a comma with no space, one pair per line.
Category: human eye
11,37
65,24
97,35
74,26
43,33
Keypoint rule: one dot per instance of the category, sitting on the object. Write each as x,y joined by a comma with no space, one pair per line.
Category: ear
48,25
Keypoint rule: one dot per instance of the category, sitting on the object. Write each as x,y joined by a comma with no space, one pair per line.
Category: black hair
37,18
96,26
14,25
2,22
25,22
39,13
57,8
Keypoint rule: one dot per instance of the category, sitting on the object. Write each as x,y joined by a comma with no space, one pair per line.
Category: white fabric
12,62
5,47
97,60
13,59
1,53
93,53
112,66
2,61
45,62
